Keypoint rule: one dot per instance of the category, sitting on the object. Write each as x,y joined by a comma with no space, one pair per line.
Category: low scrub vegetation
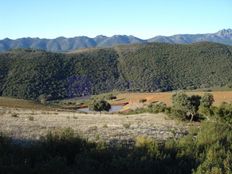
157,107
204,150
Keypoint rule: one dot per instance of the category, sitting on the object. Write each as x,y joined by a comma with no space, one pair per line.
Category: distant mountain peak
63,44
101,36
225,32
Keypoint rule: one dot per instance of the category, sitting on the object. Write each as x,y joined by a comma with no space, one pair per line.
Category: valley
116,87
24,119
174,105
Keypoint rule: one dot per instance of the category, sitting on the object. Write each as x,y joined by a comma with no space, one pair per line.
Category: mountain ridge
63,44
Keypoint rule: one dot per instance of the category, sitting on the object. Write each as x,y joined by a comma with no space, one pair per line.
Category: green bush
180,114
207,100
225,112
157,107
99,105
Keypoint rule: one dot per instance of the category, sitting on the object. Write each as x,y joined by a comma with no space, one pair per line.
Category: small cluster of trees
188,107
192,108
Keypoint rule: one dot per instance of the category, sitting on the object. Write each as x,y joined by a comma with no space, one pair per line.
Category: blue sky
141,18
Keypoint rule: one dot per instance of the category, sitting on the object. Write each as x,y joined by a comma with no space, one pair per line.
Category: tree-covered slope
33,73
168,66
149,67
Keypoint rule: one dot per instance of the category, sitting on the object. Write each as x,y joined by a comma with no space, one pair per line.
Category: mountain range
62,44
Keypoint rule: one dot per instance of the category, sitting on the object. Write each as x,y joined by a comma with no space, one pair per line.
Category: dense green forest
28,74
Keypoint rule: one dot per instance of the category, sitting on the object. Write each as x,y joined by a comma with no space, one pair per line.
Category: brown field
166,97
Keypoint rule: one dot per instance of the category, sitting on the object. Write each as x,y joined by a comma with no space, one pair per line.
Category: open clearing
31,124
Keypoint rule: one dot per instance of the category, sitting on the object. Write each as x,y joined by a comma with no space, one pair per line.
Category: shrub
142,100
112,97
157,107
207,100
126,125
14,115
206,111
31,118
180,114
141,141
225,112
44,98
99,105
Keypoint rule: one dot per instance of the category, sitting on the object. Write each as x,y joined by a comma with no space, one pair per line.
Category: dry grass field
32,124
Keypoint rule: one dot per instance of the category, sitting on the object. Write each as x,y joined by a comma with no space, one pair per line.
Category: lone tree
189,106
99,105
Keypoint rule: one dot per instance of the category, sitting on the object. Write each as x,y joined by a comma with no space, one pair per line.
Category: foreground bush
205,150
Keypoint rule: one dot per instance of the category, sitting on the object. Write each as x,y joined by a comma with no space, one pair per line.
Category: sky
141,18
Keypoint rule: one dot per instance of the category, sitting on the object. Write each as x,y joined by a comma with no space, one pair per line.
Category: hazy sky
141,18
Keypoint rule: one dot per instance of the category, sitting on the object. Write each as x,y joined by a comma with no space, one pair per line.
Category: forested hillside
31,73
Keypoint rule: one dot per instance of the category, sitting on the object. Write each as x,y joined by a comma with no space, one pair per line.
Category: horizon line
68,37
